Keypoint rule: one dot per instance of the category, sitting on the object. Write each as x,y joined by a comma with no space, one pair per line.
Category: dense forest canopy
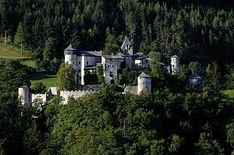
195,30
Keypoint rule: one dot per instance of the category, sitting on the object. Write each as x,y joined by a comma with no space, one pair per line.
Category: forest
173,119
194,30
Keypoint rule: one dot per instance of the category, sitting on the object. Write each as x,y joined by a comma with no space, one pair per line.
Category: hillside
11,52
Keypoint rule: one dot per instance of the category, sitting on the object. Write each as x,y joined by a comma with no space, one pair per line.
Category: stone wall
75,94
42,97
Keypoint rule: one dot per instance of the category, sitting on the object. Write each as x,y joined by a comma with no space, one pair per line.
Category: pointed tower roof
70,48
125,43
144,75
174,56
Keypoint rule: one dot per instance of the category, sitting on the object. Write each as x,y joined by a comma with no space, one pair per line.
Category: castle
144,84
83,61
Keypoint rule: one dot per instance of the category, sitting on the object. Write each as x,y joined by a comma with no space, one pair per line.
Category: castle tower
175,64
127,46
24,95
144,83
70,54
127,51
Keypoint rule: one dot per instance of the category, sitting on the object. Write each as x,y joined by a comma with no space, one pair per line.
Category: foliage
38,88
194,30
45,79
127,77
213,78
66,77
100,74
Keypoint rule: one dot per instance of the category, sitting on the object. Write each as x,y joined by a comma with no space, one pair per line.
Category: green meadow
47,80
11,52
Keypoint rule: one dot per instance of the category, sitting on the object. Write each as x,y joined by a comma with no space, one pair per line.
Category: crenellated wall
75,94
42,97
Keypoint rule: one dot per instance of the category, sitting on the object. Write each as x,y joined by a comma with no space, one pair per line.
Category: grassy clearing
11,52
229,92
30,63
47,80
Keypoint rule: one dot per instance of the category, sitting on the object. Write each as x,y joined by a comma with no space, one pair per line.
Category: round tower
175,64
70,54
24,95
144,83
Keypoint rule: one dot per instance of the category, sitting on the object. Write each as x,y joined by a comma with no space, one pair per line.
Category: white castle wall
75,94
23,94
144,83
42,97
86,61
71,59
111,66
175,64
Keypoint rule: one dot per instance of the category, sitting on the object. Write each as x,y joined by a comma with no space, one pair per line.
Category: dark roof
174,56
144,75
90,67
112,57
70,48
91,53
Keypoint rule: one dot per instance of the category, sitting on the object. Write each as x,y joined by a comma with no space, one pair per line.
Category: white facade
175,64
111,65
194,80
24,95
86,61
79,60
144,83
38,97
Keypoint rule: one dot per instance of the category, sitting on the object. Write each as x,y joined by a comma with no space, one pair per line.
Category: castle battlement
76,92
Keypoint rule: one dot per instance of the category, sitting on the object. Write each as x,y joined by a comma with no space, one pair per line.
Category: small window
79,62
87,62
108,66
79,70
110,59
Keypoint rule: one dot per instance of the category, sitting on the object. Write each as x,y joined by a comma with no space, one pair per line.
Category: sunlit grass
30,63
47,80
11,52
229,92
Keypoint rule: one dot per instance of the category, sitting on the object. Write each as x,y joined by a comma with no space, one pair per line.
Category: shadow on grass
47,80
41,76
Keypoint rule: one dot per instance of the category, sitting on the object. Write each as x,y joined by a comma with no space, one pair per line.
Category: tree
212,78
38,87
19,36
176,144
195,67
66,77
111,43
207,145
50,49
100,72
